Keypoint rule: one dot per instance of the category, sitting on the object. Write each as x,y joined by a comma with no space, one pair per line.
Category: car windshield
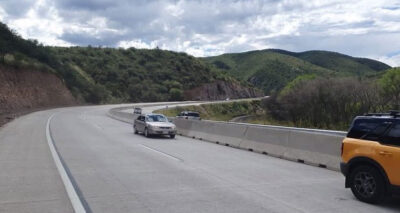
156,118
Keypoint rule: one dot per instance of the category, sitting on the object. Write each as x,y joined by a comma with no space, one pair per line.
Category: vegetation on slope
332,103
219,111
138,75
271,70
104,75
310,101
344,64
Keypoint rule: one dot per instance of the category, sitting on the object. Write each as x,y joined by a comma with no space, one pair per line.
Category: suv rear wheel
367,184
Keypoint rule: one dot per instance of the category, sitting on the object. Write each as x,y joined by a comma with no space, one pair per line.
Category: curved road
117,171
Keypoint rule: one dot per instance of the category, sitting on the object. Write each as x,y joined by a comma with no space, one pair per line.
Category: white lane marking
162,153
97,126
69,187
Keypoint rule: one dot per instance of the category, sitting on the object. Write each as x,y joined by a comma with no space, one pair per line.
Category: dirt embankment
221,90
25,90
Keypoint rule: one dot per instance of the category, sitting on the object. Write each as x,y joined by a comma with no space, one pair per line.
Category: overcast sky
362,28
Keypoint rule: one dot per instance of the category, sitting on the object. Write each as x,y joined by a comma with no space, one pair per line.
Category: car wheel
367,184
135,130
172,136
146,133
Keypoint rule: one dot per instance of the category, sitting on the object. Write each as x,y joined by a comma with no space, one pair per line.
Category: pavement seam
162,153
69,187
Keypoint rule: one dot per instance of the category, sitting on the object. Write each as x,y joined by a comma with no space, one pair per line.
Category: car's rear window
193,114
393,136
371,128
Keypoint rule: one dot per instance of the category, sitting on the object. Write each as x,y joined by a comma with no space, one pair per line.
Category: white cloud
42,23
391,60
3,14
137,43
209,27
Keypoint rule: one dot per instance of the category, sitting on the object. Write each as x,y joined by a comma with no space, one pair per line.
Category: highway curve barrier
311,146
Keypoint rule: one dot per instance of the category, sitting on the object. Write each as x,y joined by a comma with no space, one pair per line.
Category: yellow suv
371,156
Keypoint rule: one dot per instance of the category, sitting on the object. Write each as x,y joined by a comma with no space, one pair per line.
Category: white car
154,124
189,115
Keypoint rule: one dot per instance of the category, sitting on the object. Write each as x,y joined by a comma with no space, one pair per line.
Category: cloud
392,59
209,27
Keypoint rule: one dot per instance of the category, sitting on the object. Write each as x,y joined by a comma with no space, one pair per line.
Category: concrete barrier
314,148
228,134
310,146
271,141
121,116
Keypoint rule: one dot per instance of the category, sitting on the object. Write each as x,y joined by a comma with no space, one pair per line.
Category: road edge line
69,187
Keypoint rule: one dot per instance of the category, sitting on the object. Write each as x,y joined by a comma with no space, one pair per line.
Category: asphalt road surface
114,170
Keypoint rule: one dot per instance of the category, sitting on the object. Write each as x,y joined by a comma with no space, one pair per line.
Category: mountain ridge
272,69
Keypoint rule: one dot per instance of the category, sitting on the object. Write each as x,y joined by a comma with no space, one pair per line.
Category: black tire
135,130
146,133
367,184
172,136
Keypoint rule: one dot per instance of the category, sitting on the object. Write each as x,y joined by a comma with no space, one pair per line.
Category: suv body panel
389,158
378,146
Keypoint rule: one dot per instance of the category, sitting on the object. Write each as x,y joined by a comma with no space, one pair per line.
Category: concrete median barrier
315,148
267,140
184,126
311,146
117,114
229,134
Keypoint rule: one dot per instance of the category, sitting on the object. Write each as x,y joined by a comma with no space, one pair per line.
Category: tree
326,103
175,94
390,83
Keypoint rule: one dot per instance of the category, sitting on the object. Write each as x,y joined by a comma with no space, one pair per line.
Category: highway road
114,170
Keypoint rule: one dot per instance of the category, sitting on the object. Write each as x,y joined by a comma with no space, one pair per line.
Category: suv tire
135,130
367,184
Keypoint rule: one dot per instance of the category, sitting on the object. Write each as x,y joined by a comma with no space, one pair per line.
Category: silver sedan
154,124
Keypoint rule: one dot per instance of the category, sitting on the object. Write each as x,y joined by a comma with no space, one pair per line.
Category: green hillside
272,69
104,75
138,75
339,62
111,75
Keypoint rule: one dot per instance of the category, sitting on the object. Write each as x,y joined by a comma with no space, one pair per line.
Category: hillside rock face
220,90
25,90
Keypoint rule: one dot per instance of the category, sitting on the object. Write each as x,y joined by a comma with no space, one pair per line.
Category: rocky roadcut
221,90
23,90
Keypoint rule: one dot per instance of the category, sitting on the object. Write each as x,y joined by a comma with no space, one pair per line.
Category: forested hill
138,75
273,69
110,75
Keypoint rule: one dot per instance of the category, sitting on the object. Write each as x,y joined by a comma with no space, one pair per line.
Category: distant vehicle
371,156
154,124
227,99
137,111
189,115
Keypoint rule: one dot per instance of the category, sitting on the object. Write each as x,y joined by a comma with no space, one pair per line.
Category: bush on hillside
326,103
